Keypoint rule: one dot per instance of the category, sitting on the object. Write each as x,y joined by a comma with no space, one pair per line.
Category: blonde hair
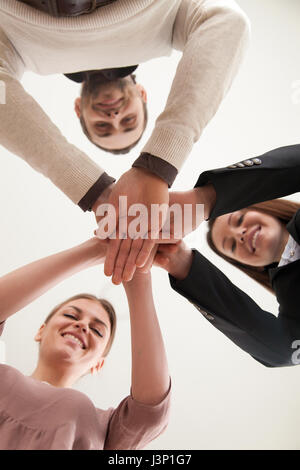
283,210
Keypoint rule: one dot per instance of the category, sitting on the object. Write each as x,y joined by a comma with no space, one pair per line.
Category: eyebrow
97,320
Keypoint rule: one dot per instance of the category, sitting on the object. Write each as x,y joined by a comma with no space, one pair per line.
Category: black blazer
269,339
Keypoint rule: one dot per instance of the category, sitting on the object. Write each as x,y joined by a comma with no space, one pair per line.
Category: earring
95,370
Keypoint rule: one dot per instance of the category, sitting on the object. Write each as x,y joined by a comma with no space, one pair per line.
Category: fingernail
141,263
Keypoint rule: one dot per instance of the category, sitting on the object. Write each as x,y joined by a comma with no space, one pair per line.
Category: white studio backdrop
222,398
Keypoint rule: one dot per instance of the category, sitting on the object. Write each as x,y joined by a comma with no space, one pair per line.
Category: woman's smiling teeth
73,338
254,238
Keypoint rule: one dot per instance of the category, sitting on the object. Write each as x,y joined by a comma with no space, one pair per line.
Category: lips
253,238
77,337
110,104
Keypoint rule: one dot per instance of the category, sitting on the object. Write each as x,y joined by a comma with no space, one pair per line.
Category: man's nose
111,114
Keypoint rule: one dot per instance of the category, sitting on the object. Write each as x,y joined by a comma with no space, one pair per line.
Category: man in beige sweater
212,35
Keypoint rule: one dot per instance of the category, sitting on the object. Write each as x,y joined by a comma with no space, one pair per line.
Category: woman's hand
96,250
176,259
190,208
140,280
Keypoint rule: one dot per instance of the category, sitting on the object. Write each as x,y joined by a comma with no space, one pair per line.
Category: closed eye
70,316
240,220
128,119
102,125
97,332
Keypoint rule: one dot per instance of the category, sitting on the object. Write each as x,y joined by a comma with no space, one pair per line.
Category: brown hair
84,93
104,303
283,210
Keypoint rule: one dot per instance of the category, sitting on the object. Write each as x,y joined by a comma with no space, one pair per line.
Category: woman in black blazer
273,341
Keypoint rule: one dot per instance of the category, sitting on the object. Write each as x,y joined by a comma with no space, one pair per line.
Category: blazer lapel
294,227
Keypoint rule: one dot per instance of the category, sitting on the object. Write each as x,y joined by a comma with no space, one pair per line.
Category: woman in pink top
42,411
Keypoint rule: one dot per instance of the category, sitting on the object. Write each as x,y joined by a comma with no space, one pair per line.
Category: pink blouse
38,416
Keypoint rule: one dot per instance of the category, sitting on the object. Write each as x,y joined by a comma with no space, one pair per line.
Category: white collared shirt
291,252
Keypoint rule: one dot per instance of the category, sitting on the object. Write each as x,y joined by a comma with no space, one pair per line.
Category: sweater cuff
158,166
87,202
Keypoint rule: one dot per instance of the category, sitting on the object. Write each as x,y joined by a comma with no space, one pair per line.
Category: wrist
104,196
180,263
92,251
140,282
147,174
206,195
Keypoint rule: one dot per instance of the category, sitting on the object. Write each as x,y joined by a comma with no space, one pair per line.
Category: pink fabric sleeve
133,425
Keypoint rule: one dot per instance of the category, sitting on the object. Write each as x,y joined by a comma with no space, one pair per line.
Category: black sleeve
267,338
272,175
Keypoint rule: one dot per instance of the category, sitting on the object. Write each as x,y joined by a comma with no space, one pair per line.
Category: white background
222,398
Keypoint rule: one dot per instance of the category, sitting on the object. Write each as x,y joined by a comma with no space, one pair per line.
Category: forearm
268,338
150,375
202,195
213,37
22,286
269,176
29,133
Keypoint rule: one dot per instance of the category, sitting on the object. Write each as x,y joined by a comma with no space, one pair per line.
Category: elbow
238,23
284,359
158,424
231,20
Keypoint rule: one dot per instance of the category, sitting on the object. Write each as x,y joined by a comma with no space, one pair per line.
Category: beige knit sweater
212,35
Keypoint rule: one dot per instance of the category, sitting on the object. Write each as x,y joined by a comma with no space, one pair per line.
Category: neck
284,240
58,377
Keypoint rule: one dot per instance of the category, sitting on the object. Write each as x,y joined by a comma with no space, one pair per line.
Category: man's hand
102,199
127,249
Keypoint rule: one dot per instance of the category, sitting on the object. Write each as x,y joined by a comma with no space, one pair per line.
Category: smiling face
75,337
113,112
250,237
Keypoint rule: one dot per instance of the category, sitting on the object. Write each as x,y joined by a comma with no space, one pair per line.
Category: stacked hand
133,244
125,253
